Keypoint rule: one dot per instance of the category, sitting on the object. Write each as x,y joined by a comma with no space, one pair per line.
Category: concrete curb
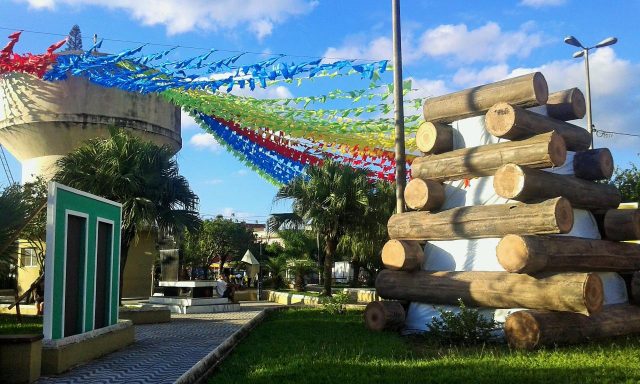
201,371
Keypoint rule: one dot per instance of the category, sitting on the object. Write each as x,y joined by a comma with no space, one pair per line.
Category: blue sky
448,45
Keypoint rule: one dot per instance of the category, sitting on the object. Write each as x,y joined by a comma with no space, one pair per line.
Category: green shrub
466,327
335,304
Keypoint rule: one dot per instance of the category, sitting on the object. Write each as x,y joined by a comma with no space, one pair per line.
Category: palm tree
364,243
277,266
331,199
300,268
14,216
141,176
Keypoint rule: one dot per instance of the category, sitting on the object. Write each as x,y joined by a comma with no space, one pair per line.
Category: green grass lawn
310,346
30,324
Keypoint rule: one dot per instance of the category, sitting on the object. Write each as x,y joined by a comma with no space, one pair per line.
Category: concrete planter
61,355
20,358
356,296
146,314
289,298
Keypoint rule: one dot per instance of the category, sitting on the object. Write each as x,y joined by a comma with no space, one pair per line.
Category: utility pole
401,171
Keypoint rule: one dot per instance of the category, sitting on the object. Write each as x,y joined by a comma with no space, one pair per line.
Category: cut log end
402,255
384,315
522,330
424,195
513,254
509,181
540,88
500,119
557,150
594,164
593,293
434,138
564,215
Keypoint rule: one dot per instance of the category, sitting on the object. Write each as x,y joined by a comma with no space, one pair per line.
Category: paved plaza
163,352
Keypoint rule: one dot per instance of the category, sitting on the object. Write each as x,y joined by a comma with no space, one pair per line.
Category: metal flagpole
401,170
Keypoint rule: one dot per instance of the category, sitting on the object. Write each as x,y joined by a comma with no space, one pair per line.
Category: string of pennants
277,138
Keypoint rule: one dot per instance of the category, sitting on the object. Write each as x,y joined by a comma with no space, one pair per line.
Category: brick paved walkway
163,352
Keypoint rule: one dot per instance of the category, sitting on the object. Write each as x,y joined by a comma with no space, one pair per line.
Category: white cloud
542,3
205,141
214,182
241,172
228,212
472,77
179,16
379,48
488,43
187,122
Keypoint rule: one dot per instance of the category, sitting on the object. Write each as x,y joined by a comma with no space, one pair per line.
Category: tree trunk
531,254
355,282
513,123
524,91
330,251
573,292
541,151
474,222
529,185
125,244
531,329
384,315
298,283
567,105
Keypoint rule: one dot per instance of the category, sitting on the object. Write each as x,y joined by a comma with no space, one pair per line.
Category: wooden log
424,195
594,164
567,105
514,123
384,315
619,224
524,91
574,292
531,329
541,151
529,185
434,138
480,221
402,255
531,254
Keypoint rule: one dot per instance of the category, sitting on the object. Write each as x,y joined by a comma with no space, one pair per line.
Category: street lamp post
585,52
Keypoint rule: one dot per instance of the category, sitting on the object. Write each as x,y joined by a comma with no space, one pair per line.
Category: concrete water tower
42,121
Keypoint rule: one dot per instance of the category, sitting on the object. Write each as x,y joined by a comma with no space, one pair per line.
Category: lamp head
578,54
573,41
606,42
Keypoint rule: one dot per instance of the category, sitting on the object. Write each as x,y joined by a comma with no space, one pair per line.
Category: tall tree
141,176
74,41
628,182
220,238
331,199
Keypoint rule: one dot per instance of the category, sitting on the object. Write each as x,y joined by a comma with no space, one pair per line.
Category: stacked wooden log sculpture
553,277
